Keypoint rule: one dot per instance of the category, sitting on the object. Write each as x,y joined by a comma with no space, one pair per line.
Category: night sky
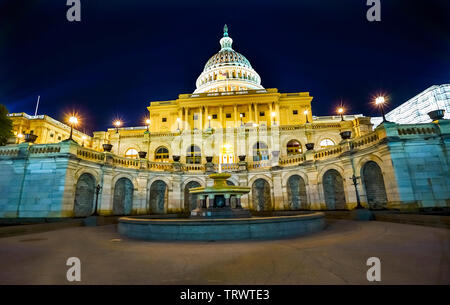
124,54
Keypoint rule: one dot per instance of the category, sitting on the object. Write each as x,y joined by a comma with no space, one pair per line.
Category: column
227,200
235,117
210,201
270,115
249,112
206,116
184,120
238,202
277,111
256,113
221,116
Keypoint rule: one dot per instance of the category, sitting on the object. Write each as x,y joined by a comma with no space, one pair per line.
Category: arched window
326,142
162,154
294,147
131,153
260,151
194,155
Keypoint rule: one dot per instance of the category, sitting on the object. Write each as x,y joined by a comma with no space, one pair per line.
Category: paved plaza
409,254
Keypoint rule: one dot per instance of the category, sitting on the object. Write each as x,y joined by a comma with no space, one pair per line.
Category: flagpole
37,105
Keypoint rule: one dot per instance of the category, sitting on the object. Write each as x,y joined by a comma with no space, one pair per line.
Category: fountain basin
254,228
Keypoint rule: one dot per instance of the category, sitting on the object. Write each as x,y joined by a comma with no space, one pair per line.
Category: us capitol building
266,139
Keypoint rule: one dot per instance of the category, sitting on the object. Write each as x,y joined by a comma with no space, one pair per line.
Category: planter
309,146
242,158
176,158
345,135
436,114
209,159
142,154
107,147
30,138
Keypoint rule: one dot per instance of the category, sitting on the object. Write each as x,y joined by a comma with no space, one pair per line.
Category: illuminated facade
267,140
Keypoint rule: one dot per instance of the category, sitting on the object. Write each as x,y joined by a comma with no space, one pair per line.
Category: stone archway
333,189
261,195
373,181
158,197
84,196
296,190
123,197
190,200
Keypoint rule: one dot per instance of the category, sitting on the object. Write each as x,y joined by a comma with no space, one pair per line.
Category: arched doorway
158,197
296,190
261,196
123,197
374,185
333,189
190,200
162,154
294,147
84,196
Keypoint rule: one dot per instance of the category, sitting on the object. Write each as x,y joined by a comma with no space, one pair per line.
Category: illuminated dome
227,70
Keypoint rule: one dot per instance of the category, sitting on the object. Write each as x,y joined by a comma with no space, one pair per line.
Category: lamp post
147,122
72,121
178,122
117,124
355,183
306,115
83,138
341,112
379,101
97,191
19,137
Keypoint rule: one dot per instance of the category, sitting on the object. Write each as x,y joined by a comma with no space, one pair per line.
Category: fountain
216,201
220,216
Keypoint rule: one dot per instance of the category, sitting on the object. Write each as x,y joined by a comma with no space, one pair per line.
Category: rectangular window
164,119
228,115
214,116
262,113
243,115
295,112
195,117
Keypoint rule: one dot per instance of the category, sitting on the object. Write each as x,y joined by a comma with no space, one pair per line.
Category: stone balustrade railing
330,152
259,164
160,166
89,154
292,159
430,129
230,167
126,162
9,151
44,149
193,167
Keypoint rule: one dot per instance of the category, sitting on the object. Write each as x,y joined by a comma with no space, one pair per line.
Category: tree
5,125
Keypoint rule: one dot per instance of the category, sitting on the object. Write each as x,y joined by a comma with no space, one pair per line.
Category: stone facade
399,166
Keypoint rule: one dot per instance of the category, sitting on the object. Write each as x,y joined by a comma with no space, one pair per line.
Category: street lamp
117,124
147,122
178,121
241,115
84,138
379,101
306,115
341,112
72,121
273,114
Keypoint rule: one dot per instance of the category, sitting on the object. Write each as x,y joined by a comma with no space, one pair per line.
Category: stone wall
409,163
